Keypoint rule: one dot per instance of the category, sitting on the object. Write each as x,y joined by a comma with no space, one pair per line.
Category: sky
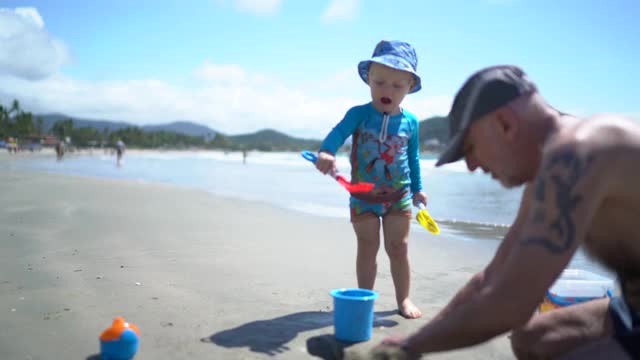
240,66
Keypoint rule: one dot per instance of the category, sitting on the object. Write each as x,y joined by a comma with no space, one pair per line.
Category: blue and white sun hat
394,54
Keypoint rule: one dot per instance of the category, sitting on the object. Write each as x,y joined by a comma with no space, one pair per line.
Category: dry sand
202,277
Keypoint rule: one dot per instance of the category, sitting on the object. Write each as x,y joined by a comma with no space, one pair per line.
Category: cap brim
453,152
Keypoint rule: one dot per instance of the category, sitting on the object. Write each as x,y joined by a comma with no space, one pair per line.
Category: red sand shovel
361,187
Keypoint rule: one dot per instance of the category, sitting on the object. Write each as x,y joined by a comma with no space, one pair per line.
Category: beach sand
202,277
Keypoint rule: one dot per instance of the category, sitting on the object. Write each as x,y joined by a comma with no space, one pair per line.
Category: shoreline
456,230
464,226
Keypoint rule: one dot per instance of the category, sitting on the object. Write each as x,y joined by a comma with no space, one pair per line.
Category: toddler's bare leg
367,229
396,243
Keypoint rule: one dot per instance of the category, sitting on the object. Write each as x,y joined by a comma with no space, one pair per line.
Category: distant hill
433,131
183,127
271,139
262,140
180,127
436,127
48,120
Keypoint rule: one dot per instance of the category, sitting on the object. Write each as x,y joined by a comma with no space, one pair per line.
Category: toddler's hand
326,163
418,198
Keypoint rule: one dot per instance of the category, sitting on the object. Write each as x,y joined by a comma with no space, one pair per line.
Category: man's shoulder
610,117
596,133
605,144
606,122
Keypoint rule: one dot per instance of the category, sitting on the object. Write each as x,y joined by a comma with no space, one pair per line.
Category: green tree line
20,124
14,122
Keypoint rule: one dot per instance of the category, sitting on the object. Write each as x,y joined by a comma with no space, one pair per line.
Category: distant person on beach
120,147
581,181
60,150
12,145
385,151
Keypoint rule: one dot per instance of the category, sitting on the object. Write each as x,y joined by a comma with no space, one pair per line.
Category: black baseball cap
484,92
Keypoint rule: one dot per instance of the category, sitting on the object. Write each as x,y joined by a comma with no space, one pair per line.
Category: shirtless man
582,187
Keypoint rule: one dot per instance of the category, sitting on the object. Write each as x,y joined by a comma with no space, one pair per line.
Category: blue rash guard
385,151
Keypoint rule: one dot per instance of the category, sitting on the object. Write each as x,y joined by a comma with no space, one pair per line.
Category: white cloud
342,82
31,14
27,50
340,10
427,106
226,97
633,116
259,7
252,103
227,73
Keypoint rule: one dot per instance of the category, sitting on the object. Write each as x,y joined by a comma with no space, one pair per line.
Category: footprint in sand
55,315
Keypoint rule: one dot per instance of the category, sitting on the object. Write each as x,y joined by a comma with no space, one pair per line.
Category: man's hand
326,163
393,347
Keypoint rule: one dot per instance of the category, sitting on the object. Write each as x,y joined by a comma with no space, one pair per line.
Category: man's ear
507,121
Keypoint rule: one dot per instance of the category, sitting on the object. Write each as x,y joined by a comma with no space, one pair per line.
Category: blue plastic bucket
353,314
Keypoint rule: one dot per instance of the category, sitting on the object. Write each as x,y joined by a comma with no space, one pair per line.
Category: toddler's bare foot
408,310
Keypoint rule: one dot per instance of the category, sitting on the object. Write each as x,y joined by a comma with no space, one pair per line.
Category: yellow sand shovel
426,220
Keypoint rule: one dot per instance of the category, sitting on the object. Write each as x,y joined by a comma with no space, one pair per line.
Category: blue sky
243,65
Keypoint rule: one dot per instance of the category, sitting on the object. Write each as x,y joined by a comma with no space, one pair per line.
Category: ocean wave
430,164
465,229
474,230
289,159
464,223
318,210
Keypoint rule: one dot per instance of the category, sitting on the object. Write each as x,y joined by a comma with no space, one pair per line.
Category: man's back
609,147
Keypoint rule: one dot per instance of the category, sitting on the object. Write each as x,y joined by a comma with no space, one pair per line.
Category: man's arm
566,194
481,279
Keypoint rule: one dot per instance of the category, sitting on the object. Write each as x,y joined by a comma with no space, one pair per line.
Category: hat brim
454,151
363,71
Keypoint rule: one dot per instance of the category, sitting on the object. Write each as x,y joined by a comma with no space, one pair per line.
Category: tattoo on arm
563,173
538,211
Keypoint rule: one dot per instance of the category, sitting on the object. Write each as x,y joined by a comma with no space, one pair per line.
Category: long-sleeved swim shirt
385,149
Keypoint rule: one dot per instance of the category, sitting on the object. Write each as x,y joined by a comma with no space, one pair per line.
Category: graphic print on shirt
391,146
381,160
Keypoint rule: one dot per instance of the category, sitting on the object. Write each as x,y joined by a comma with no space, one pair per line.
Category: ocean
469,207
